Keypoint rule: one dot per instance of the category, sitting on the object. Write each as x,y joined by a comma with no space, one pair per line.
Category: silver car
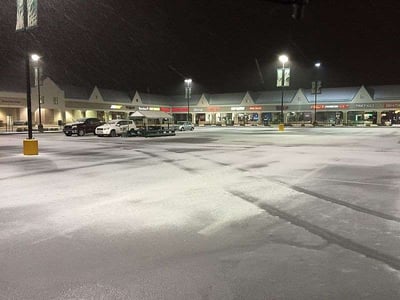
185,125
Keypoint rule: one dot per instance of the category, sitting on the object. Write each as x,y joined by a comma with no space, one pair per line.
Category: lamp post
36,59
25,23
315,89
188,94
283,59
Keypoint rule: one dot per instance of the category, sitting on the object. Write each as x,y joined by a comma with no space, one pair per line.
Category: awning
150,114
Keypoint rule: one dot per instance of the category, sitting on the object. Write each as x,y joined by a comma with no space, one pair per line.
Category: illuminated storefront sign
149,108
179,109
213,108
392,105
365,105
198,109
255,107
319,106
165,109
330,106
238,108
12,101
116,106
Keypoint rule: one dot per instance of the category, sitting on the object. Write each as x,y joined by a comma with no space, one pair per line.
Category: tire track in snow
326,198
319,196
325,234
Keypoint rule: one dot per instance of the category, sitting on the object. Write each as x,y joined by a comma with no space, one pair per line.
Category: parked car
82,126
116,127
184,125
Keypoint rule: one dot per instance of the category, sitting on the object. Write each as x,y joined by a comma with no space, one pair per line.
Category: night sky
150,45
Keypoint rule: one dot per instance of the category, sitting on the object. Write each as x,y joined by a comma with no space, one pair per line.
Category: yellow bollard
281,127
31,147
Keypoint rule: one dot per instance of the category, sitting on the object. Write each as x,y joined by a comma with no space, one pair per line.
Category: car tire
113,133
132,132
81,132
182,129
191,129
68,134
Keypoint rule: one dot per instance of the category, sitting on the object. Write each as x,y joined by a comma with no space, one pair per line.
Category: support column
378,117
236,119
194,118
345,121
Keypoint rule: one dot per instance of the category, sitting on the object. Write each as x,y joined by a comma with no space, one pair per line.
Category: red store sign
330,106
165,109
255,107
179,109
213,108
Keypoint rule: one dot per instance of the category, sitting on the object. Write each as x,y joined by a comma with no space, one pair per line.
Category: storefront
336,106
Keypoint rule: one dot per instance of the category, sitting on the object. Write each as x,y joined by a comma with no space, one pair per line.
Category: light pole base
281,127
31,147
40,128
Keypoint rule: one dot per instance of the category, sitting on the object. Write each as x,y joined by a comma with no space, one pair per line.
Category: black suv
82,126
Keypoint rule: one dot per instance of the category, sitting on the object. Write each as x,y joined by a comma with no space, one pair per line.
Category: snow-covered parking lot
217,213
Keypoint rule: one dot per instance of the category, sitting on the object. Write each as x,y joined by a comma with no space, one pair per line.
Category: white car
184,125
116,127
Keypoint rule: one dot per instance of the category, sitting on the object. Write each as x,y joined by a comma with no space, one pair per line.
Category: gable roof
115,96
12,87
76,92
345,94
273,97
226,99
154,99
180,100
384,92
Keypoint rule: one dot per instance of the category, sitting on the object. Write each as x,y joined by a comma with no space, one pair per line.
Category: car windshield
81,120
112,122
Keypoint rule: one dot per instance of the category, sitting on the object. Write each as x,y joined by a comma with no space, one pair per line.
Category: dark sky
147,44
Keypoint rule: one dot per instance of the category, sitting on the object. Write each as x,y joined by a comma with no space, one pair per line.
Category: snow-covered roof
154,99
273,97
151,114
226,98
180,100
115,96
342,94
384,92
76,92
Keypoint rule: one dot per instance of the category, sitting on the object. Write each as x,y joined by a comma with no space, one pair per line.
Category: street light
316,86
283,59
188,94
36,58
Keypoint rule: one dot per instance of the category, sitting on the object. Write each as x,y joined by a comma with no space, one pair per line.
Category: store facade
351,106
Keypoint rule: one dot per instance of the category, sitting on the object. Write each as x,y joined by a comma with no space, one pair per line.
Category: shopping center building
350,106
